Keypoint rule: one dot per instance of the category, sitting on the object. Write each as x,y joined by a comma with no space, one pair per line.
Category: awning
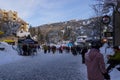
8,41
27,41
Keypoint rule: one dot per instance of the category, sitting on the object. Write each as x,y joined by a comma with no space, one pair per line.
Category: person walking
45,48
25,49
95,64
114,60
84,50
107,51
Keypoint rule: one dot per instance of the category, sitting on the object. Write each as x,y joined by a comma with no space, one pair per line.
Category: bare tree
98,9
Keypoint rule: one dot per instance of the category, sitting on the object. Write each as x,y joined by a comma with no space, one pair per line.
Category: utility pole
115,21
116,24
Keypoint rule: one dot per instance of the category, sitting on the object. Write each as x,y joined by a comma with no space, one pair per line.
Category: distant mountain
67,30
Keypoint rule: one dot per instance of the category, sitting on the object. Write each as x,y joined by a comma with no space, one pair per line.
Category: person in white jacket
106,50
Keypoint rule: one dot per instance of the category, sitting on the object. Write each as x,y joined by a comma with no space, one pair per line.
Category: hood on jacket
90,56
105,45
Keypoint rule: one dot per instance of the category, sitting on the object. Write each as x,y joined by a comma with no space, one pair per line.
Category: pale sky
39,12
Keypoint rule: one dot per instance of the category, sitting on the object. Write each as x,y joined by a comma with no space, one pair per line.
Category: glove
106,76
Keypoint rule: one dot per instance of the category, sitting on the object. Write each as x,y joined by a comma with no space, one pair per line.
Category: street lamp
114,5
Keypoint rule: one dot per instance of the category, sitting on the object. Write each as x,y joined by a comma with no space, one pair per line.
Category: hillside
67,30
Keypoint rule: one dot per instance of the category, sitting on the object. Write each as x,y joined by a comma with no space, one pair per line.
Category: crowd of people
100,59
75,50
27,49
31,49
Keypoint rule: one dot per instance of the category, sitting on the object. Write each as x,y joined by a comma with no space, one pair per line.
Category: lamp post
117,24
115,21
113,24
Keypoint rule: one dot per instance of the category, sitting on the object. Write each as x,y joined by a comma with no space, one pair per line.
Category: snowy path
45,67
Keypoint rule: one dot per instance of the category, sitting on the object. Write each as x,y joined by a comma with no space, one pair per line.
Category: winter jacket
95,65
45,47
116,57
106,51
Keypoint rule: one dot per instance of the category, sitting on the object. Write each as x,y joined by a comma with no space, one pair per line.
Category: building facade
11,23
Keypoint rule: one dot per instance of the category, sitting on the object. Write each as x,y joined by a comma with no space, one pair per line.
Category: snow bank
9,54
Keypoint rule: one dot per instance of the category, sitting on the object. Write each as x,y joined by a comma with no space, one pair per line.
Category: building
11,24
23,29
8,15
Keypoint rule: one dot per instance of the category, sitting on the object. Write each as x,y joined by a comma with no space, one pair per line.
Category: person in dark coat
84,50
25,49
78,48
67,49
60,49
73,50
49,48
53,48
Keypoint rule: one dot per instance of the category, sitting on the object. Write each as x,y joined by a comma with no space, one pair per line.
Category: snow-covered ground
9,55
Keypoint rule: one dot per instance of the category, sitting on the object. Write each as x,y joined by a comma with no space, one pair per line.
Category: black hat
96,44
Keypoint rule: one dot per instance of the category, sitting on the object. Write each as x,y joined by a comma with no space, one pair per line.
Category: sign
108,34
106,19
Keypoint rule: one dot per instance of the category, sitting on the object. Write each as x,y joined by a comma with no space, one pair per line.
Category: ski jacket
115,57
